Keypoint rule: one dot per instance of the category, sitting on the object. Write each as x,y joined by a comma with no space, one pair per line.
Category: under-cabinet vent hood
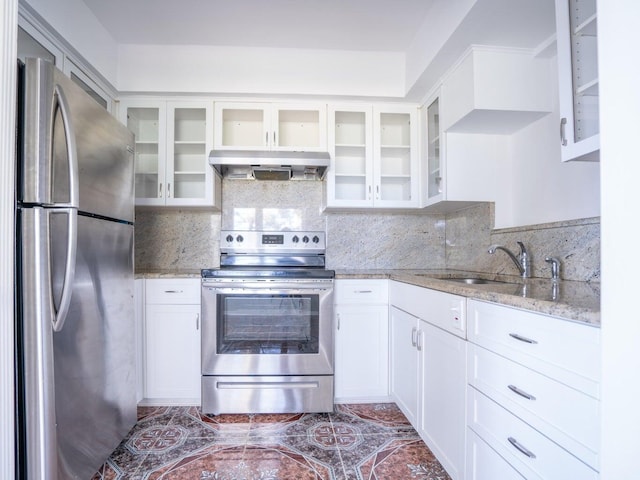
270,165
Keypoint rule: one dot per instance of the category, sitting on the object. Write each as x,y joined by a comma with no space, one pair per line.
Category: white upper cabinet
495,91
173,140
577,39
459,169
270,126
374,158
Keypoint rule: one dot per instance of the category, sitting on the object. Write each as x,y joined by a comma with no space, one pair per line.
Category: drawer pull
522,393
520,448
522,339
173,291
362,291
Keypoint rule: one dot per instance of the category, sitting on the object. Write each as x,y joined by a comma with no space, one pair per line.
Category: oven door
267,328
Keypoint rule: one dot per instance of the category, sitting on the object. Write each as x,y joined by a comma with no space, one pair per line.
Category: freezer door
74,153
94,352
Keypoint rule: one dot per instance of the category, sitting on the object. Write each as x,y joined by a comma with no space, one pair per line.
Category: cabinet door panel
147,121
362,353
442,419
190,178
404,362
172,360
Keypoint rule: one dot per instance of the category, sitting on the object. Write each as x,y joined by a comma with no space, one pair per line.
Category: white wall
442,19
618,22
73,20
541,188
258,71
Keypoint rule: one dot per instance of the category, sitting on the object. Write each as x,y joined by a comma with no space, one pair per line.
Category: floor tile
355,442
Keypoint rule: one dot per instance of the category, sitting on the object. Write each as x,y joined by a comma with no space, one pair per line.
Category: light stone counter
577,301
168,273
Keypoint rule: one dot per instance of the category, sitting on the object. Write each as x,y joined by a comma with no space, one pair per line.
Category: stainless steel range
267,314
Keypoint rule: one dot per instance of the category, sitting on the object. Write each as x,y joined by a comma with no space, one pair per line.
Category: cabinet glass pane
584,62
395,189
434,186
144,123
298,128
189,152
395,129
243,127
350,187
350,128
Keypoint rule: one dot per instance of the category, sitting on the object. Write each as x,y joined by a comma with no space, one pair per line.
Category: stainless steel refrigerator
75,368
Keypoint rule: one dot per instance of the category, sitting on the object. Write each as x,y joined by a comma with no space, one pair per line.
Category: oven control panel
243,241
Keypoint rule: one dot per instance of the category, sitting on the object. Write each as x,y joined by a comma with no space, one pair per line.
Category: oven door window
267,324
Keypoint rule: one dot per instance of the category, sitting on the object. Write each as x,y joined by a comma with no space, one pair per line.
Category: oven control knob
305,239
240,238
229,238
295,239
315,239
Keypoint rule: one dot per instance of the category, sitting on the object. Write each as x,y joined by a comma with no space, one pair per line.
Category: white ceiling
366,25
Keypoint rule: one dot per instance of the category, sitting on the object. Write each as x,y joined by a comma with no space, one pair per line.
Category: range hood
270,165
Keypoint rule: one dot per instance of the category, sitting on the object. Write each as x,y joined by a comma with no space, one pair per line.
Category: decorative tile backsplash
188,239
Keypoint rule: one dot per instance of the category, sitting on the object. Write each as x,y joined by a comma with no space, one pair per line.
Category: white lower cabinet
361,341
428,368
172,342
533,394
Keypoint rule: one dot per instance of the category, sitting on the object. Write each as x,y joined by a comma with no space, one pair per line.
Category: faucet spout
521,261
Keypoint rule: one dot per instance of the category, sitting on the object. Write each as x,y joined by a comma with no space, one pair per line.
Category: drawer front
527,450
173,291
568,417
566,351
369,292
483,463
441,309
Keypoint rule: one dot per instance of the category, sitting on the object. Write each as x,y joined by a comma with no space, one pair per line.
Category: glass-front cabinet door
190,138
173,141
434,172
374,161
266,126
148,125
395,157
577,40
350,177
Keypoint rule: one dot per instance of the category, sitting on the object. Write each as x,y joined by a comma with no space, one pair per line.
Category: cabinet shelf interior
589,27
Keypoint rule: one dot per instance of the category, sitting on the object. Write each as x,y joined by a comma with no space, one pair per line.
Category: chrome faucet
522,261
555,267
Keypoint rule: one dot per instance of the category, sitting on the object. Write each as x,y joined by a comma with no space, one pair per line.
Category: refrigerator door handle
70,139
69,270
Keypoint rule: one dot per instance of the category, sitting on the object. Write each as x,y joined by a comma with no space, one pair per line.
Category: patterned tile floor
357,441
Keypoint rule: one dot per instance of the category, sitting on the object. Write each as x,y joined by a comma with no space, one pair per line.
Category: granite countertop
168,273
577,301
